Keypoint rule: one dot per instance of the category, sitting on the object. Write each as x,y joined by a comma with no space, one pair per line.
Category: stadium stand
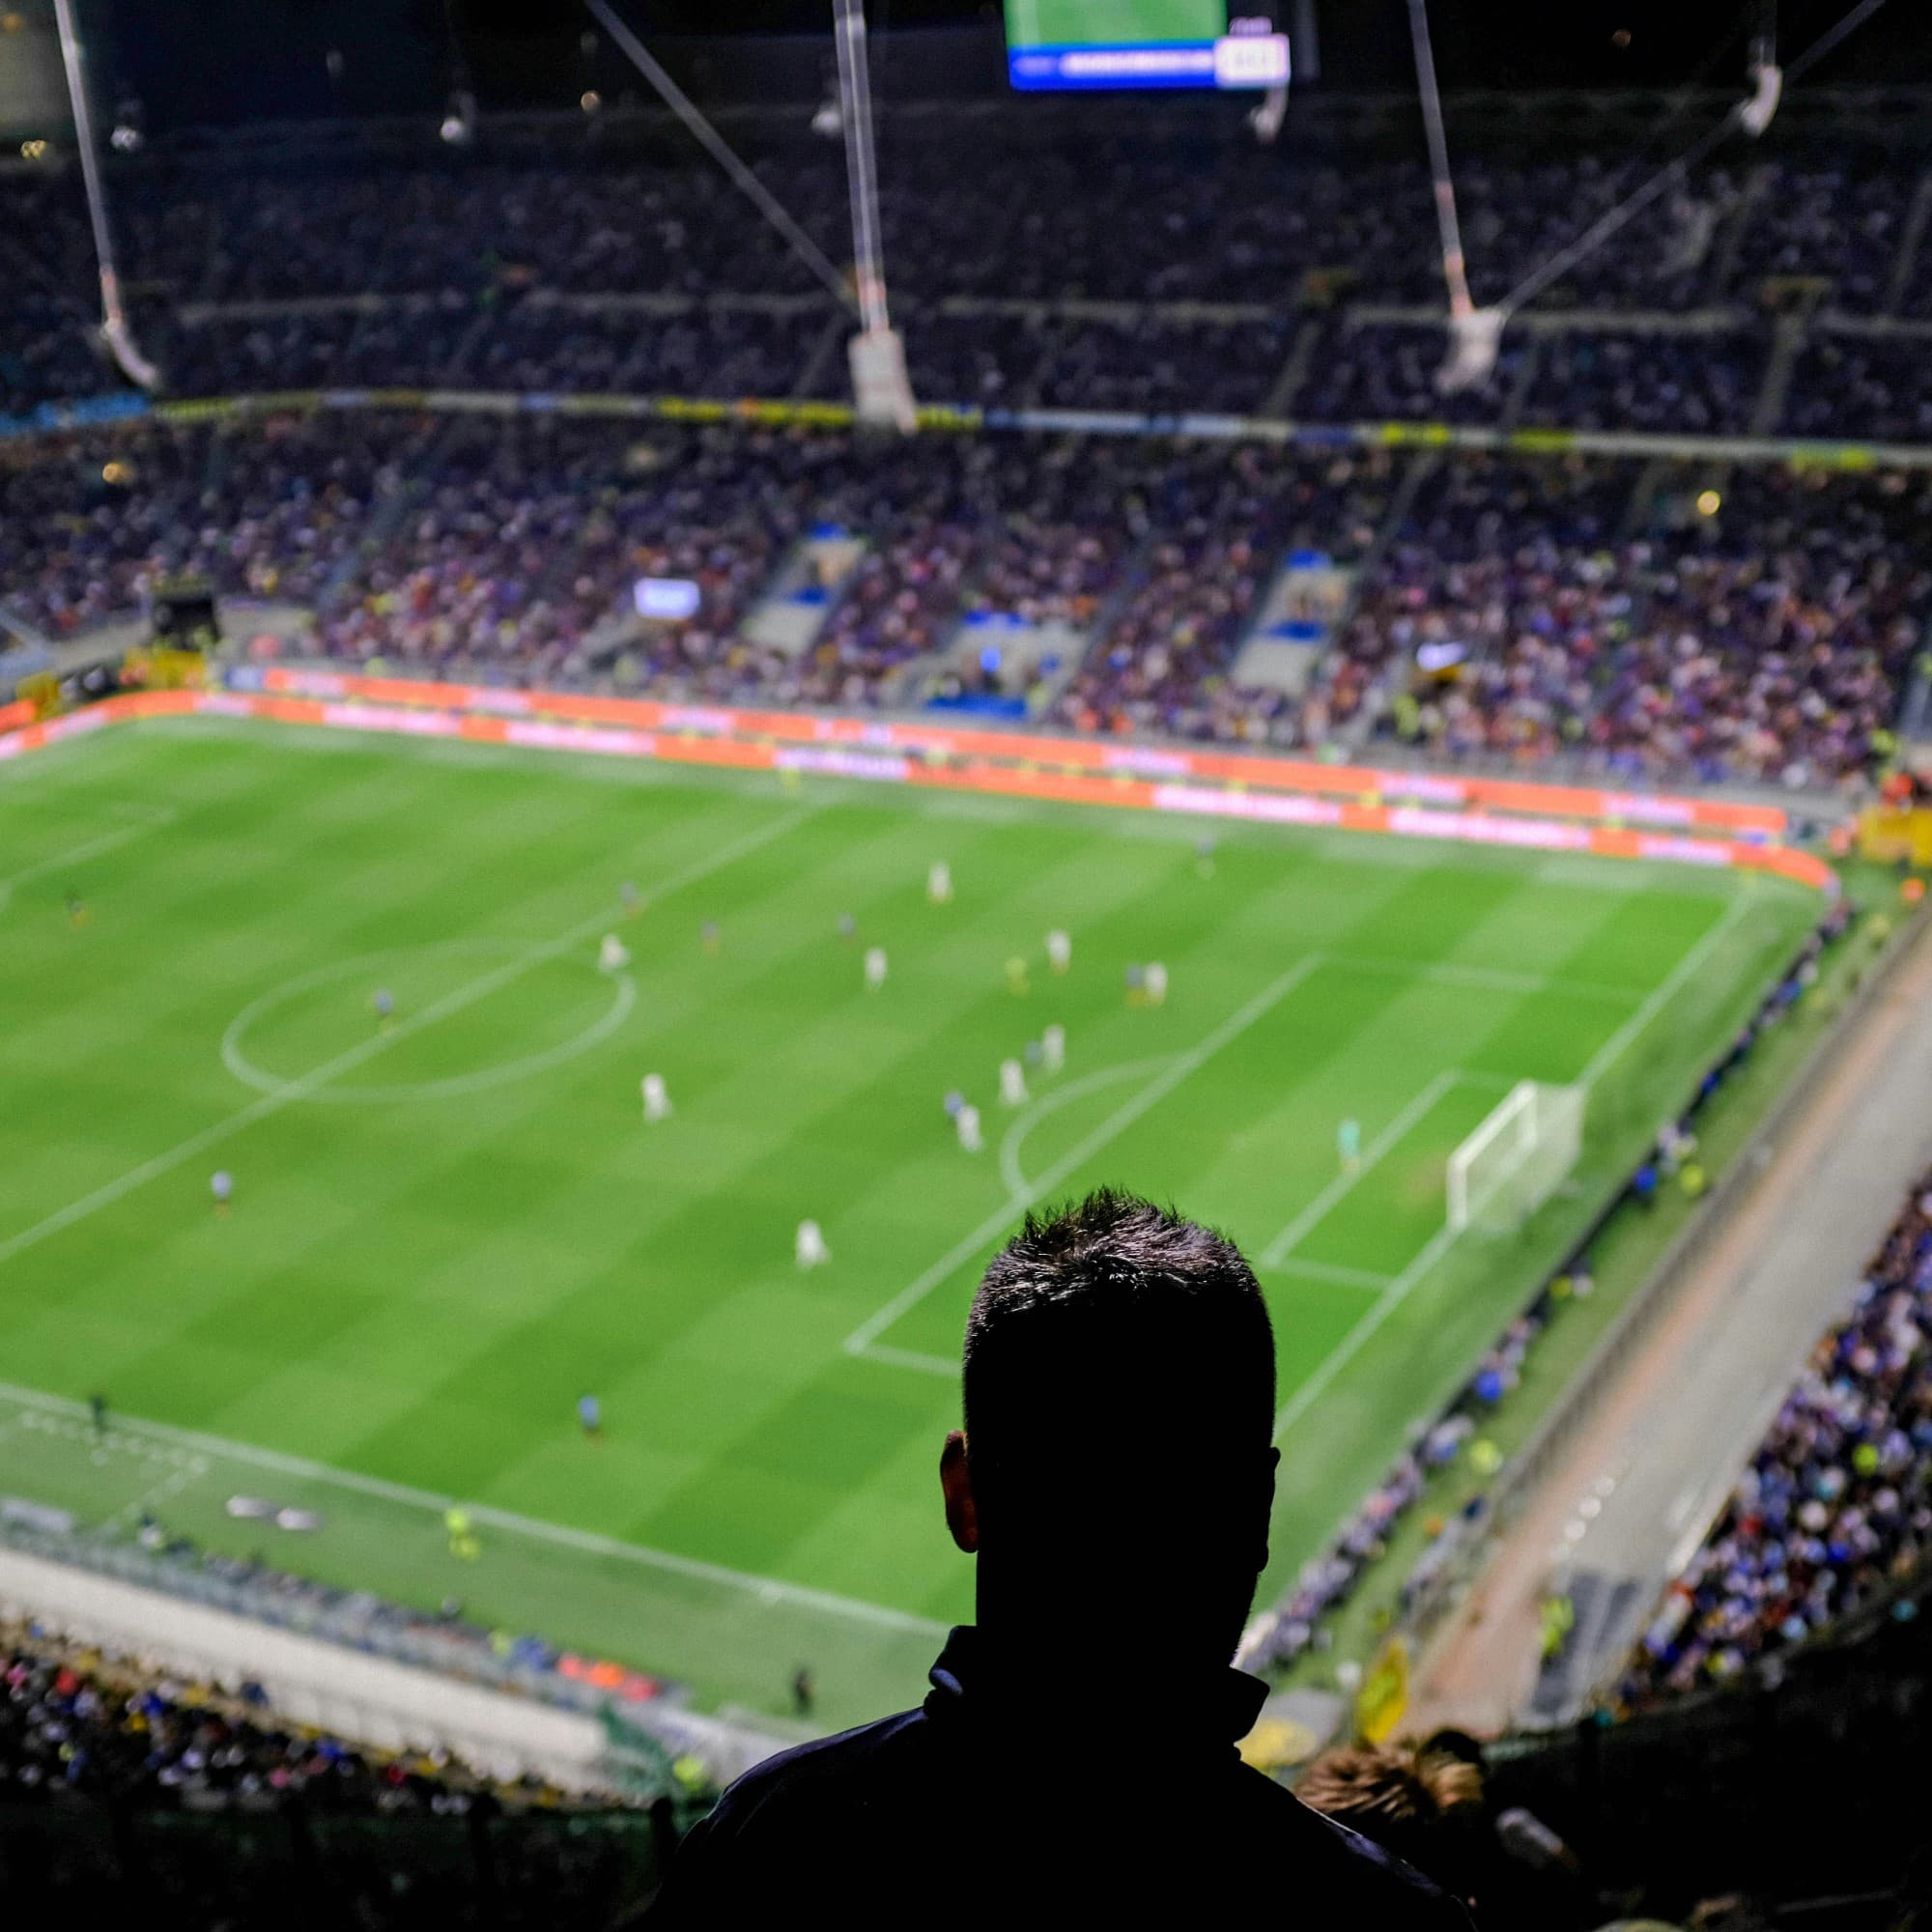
1766,639
487,270
126,1792
77,1722
1835,1508
91,519
1583,613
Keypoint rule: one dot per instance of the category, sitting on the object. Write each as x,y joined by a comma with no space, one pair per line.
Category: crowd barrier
1798,451
1362,784
1478,811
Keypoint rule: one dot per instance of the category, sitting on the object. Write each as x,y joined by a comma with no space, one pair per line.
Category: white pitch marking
912,1358
169,1486
453,1001
1011,1171
108,841
1613,1049
862,1338
1318,1210
1372,1318
1440,1243
1343,1277
1488,979
624,998
765,1589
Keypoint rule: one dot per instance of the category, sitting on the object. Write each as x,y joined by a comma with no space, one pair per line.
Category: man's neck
1011,1674
1030,1634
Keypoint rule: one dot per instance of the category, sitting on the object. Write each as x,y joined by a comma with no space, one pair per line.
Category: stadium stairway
1911,236
1402,499
816,374
1296,624
1603,1607
1279,401
1787,346
803,594
1915,715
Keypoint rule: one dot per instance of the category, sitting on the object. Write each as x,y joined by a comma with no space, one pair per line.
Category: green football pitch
1080,23
443,1233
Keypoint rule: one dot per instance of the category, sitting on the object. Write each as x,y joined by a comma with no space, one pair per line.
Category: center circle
371,967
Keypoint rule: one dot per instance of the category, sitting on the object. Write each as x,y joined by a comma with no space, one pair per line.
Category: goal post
1516,1159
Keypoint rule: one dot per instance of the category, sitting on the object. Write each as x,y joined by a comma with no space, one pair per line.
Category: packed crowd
1497,575
1763,632
476,268
1662,383
703,351
1637,622
91,522
1219,530
1021,205
415,341
1837,1501
74,1720
1862,386
473,577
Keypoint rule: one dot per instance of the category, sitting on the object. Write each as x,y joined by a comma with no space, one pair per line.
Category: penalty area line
1619,1043
1444,1238
765,1589
1341,1277
1345,1183
1372,1318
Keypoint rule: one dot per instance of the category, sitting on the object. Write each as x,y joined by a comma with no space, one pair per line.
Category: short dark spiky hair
1113,1315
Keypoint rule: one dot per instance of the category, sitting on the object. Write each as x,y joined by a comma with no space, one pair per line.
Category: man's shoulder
869,1800
827,1771
1317,1855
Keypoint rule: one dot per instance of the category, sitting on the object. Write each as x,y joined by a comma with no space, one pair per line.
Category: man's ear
956,1482
1266,1500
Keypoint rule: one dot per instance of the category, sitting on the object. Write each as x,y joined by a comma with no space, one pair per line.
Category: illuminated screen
668,599
1093,43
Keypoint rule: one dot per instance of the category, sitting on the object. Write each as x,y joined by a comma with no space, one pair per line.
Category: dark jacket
999,1804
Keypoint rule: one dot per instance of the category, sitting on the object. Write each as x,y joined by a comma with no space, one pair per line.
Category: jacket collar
987,1687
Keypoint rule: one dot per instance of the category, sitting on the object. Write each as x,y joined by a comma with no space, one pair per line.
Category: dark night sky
222,60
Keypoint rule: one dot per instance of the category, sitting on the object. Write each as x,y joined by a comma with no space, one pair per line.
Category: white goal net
1516,1159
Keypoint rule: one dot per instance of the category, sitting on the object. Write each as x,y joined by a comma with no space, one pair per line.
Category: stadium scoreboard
1056,44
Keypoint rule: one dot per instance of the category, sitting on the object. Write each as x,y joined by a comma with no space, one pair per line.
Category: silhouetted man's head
1119,1409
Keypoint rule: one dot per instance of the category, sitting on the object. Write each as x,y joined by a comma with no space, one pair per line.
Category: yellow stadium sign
1887,836
1382,1701
162,670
